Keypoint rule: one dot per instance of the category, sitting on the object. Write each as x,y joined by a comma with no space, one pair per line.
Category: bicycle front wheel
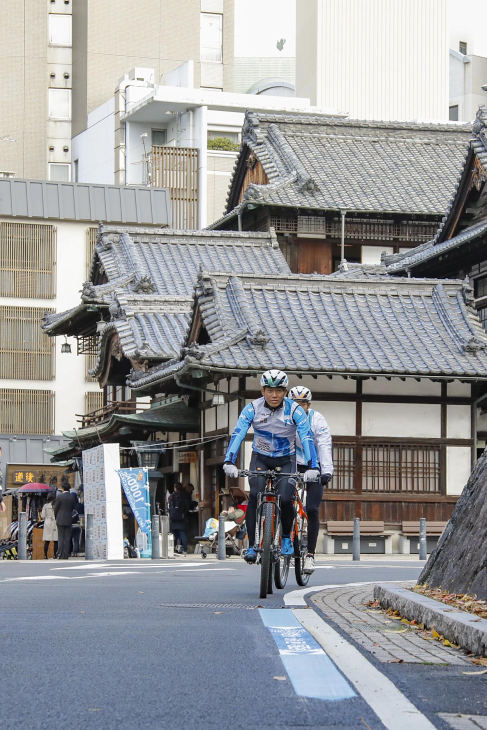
265,556
300,549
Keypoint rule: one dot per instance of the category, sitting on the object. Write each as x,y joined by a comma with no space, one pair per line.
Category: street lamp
148,453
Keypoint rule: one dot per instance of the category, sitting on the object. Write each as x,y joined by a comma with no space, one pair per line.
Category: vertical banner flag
135,483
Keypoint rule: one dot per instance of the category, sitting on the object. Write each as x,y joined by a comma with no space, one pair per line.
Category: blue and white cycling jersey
322,438
274,431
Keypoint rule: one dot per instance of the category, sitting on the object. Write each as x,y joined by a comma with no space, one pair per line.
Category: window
462,47
26,353
76,171
480,287
59,171
93,401
60,103
26,411
60,30
91,236
483,317
400,468
27,260
211,37
159,137
217,133
90,362
453,113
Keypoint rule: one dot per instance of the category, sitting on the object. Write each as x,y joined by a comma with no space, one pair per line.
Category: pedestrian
63,510
49,533
178,510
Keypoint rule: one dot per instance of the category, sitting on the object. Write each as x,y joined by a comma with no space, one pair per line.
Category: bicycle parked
274,566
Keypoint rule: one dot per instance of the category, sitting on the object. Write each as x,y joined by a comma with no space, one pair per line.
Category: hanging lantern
66,347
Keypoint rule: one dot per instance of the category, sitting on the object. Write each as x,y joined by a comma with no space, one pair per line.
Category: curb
459,627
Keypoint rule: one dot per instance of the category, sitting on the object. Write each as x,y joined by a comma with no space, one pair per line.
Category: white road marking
89,566
105,574
296,598
394,710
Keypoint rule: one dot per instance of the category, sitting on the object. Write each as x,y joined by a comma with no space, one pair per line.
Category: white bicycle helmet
274,379
299,392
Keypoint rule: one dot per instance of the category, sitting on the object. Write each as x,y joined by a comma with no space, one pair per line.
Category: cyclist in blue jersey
314,490
276,421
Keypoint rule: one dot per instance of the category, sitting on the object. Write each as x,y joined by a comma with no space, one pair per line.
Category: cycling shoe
287,546
250,556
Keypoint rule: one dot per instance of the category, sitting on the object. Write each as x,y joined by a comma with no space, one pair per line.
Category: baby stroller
208,543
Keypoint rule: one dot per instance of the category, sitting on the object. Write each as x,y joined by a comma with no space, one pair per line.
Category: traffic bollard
165,536
89,537
356,538
22,539
156,538
422,539
222,553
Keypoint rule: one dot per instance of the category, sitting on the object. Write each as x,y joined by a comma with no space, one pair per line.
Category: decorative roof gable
318,162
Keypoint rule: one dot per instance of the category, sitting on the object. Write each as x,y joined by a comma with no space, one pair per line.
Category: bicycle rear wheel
265,556
300,550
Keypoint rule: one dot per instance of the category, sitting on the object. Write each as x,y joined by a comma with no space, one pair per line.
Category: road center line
394,710
310,670
110,573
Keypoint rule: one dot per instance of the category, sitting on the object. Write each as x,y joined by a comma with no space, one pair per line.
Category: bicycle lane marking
394,710
310,670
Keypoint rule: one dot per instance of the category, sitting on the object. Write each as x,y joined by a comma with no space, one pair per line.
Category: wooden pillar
443,435
358,463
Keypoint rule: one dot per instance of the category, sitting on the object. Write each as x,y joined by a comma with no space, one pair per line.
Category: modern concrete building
112,37
61,60
48,231
36,83
374,59
468,83
175,136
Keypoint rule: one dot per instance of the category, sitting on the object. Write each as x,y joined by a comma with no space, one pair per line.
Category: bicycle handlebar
269,474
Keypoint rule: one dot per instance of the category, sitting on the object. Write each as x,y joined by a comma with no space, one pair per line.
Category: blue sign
135,483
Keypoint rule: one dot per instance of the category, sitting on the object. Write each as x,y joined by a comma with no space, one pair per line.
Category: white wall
408,420
458,468
94,148
372,254
375,59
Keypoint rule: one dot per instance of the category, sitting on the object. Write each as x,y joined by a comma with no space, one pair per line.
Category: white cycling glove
311,475
230,470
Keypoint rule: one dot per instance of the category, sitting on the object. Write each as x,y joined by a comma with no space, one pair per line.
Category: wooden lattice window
93,401
91,235
87,345
26,353
27,260
26,411
343,461
90,361
401,468
176,168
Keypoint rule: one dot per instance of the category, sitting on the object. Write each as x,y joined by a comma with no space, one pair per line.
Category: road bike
274,567
299,537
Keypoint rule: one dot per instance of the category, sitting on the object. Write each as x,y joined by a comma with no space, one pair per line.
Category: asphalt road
183,644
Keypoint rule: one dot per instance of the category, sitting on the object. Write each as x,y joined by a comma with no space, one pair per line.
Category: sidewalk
385,638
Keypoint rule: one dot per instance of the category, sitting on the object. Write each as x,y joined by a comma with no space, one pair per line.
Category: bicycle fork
264,498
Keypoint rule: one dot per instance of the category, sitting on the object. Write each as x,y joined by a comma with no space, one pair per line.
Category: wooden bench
409,537
336,529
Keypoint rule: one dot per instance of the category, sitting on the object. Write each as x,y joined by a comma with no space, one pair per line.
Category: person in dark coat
178,506
63,511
